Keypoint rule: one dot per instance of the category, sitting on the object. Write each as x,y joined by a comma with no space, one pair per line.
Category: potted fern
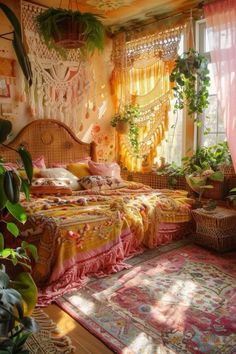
66,29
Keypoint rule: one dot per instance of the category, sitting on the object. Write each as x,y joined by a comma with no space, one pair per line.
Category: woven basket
122,127
216,229
70,34
228,170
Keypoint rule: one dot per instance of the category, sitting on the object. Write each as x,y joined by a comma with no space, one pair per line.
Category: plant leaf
13,229
17,211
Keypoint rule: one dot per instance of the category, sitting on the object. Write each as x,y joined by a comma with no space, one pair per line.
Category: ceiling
119,13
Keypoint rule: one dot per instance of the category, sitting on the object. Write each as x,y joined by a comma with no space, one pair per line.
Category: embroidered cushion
59,172
51,186
98,183
111,169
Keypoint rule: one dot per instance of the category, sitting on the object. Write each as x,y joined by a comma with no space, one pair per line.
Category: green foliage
11,312
191,77
18,44
11,300
51,22
232,196
129,114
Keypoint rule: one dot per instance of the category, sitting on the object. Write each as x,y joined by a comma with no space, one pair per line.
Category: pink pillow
111,169
39,162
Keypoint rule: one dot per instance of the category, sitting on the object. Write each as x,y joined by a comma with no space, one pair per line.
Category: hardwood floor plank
84,341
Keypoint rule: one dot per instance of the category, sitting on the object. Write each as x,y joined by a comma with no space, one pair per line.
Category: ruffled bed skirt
103,262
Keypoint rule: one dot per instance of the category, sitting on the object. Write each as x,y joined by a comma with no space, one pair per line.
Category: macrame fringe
48,339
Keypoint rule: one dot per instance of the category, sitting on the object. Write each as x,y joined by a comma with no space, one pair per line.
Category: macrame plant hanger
60,86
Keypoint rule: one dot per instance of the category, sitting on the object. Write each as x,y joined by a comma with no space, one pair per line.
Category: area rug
176,299
48,339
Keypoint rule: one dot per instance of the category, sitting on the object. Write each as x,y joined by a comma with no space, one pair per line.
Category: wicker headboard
52,139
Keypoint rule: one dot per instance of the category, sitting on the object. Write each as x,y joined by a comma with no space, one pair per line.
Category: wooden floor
84,342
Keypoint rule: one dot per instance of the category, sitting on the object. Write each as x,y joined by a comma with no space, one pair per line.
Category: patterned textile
179,301
93,232
98,183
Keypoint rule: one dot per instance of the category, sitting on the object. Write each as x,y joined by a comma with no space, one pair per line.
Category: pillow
64,164
51,186
36,173
78,169
39,162
59,172
111,169
98,183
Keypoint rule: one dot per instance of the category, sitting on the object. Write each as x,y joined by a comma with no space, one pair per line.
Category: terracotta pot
122,127
70,34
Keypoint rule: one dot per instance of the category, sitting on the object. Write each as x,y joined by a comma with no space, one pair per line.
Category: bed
91,232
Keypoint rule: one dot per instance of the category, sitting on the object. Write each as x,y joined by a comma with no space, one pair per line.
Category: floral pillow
51,186
98,183
111,169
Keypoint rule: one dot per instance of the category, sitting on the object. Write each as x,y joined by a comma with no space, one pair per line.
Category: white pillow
59,172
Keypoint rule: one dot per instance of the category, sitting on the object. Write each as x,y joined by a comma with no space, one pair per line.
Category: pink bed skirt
105,261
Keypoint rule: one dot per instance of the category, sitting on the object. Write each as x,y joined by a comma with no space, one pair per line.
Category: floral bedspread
93,232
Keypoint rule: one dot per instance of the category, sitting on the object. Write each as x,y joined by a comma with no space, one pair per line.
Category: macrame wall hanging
61,88
143,63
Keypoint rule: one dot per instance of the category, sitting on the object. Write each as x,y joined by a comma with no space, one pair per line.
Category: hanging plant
66,29
191,77
125,122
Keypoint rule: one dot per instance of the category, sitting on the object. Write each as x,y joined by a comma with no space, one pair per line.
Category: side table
215,229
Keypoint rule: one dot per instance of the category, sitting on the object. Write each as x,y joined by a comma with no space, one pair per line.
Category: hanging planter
191,77
122,127
66,29
125,123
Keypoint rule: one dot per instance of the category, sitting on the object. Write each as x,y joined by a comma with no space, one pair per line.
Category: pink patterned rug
179,299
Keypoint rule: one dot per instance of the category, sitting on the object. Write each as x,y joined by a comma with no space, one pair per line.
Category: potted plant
125,122
66,29
191,77
20,294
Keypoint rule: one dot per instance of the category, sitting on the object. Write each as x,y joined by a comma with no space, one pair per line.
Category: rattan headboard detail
52,139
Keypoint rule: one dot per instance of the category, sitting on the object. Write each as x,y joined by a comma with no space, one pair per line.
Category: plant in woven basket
66,29
191,77
125,122
19,296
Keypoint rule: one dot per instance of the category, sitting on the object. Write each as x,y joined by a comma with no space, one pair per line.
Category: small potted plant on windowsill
66,29
125,123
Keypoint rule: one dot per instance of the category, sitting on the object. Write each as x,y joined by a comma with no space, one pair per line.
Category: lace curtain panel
141,76
59,86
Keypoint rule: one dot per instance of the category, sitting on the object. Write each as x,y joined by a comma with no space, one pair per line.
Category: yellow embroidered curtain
141,76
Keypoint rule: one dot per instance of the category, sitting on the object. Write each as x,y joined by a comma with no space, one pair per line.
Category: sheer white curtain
221,30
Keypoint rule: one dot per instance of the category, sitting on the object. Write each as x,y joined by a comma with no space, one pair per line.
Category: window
212,130
171,148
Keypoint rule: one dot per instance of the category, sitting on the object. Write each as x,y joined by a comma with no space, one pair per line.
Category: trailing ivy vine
192,80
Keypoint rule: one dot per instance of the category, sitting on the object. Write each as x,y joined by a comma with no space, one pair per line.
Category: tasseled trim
47,339
108,262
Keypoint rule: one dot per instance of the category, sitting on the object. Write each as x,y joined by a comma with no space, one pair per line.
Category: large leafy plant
192,80
129,115
57,22
17,43
22,292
